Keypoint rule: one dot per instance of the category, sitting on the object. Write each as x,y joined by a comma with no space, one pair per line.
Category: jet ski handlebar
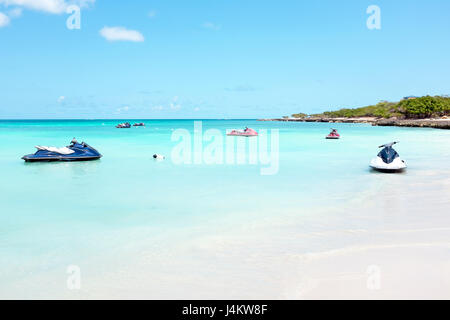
388,145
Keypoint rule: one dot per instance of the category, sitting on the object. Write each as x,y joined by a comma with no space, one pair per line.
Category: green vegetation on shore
416,108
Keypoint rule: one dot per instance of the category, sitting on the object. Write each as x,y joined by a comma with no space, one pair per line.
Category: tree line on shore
412,108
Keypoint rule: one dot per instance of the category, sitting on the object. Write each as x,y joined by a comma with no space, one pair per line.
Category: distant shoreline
441,123
422,112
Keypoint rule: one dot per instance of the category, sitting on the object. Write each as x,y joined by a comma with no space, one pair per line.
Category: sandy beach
401,238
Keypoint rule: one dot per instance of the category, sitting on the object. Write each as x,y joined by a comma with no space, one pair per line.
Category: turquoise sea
107,215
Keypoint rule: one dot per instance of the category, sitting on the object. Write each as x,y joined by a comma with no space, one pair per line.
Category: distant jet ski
333,134
141,124
125,125
75,152
388,160
247,132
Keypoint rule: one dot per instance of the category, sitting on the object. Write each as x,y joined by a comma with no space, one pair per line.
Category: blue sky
217,58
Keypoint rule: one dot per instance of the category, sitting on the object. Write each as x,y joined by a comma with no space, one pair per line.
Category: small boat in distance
247,132
333,134
388,160
140,124
125,125
75,152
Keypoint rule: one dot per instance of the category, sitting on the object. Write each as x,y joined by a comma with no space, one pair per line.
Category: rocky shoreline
422,123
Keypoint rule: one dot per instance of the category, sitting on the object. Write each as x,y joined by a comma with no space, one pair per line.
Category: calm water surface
57,214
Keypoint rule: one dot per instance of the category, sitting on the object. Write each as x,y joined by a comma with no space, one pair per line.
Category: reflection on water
70,169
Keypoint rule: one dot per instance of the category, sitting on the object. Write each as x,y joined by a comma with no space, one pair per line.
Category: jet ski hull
33,158
388,170
74,152
241,135
397,165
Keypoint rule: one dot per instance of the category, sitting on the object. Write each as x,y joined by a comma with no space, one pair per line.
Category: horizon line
120,119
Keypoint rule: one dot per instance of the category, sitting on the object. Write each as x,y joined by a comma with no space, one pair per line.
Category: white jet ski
388,160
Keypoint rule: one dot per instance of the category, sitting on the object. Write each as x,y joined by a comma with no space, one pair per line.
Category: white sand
392,242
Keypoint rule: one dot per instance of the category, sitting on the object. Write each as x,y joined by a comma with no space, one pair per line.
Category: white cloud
121,34
4,20
173,104
210,25
61,99
49,6
196,109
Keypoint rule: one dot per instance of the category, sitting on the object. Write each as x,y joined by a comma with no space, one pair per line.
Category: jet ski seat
63,150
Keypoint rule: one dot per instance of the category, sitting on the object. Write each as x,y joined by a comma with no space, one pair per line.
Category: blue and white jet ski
75,152
388,160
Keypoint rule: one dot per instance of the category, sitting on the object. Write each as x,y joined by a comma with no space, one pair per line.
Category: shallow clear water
57,214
